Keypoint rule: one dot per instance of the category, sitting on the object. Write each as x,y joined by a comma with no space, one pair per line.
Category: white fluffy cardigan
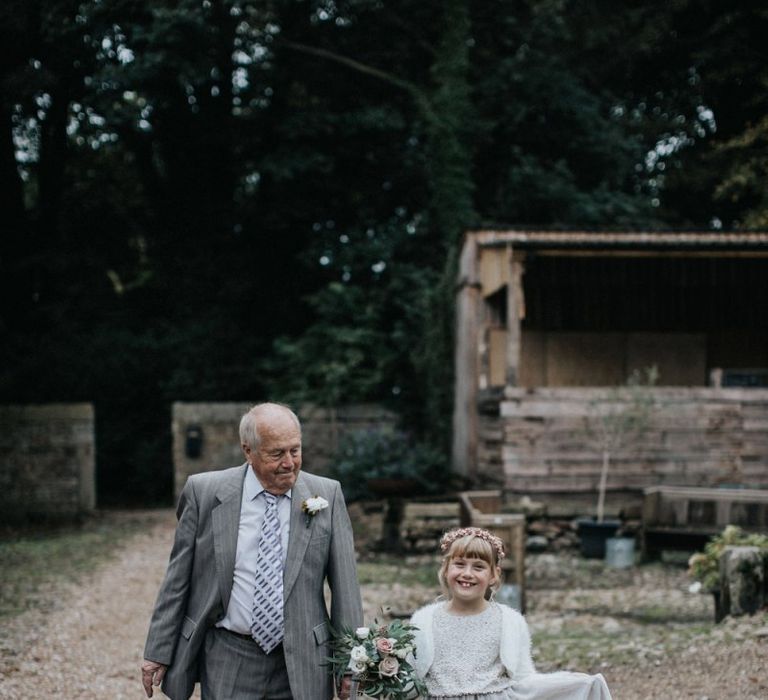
515,648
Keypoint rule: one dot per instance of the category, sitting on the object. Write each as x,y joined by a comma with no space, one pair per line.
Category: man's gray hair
250,422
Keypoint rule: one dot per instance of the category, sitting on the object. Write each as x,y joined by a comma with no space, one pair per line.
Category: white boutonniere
312,506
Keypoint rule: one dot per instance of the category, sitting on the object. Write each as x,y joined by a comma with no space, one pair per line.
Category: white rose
362,632
695,587
315,504
400,653
357,667
358,654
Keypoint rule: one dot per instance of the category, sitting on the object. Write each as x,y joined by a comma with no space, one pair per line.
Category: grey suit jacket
195,592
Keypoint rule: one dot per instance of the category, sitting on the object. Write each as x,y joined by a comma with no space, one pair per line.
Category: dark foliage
234,200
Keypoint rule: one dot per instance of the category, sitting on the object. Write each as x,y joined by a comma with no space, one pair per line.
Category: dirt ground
641,628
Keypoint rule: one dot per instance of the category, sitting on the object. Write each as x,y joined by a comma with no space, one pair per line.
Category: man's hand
346,687
151,674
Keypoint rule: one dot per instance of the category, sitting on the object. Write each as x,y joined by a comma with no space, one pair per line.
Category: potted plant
614,422
704,567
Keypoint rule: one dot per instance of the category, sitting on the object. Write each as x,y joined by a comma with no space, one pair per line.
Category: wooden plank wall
696,437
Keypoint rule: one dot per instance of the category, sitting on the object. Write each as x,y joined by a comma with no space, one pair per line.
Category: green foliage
551,147
388,454
745,157
349,350
704,567
364,653
231,200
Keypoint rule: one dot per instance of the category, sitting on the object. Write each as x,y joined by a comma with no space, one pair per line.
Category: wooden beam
515,314
466,361
613,253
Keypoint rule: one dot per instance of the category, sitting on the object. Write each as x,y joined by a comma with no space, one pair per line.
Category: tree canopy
233,200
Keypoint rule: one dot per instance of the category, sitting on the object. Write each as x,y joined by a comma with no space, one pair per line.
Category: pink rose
384,645
389,666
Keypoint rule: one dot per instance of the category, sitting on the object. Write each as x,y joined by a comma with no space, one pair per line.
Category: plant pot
593,535
620,552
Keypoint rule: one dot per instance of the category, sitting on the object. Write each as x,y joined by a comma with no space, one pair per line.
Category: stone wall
47,461
205,435
537,443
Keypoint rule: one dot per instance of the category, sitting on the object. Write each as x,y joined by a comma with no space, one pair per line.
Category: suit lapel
299,536
226,524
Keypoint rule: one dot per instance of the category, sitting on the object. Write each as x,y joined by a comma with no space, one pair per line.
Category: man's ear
246,451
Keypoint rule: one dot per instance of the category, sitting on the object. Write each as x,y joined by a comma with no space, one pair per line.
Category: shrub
704,567
388,454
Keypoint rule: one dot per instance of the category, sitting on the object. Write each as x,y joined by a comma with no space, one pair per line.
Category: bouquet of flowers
377,659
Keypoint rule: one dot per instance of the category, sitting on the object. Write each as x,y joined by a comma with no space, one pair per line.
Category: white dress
488,657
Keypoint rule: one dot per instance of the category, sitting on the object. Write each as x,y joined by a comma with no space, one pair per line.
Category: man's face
277,460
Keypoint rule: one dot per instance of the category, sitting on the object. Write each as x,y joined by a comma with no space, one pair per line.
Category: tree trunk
602,486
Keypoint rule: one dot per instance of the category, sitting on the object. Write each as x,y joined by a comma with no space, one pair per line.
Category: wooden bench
483,509
684,518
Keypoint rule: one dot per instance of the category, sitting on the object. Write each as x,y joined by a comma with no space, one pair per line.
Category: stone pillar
47,462
742,580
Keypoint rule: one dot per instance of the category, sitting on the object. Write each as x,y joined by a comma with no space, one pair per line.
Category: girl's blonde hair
470,543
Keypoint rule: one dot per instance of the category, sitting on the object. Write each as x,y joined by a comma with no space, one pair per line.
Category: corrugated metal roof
742,240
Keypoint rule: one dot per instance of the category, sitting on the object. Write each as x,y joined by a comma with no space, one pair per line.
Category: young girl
471,648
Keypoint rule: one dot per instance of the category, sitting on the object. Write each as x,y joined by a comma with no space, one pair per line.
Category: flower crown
452,535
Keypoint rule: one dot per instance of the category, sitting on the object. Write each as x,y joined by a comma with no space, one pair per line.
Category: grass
33,563
389,569
595,647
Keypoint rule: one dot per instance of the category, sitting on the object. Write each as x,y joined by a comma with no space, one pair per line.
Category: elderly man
241,608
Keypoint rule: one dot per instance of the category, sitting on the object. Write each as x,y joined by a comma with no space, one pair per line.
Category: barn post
466,360
515,315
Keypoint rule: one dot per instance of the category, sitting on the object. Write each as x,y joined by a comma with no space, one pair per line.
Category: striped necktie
267,622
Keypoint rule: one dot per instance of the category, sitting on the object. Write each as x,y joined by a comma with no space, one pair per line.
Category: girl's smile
468,580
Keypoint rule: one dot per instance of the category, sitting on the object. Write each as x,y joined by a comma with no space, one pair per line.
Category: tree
618,421
225,199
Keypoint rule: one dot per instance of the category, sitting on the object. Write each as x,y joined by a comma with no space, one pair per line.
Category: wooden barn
548,321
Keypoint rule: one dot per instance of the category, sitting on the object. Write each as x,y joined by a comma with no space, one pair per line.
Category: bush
388,454
704,567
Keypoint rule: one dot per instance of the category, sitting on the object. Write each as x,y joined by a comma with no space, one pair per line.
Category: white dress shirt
252,509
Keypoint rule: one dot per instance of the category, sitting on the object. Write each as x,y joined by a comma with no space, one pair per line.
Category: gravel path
90,644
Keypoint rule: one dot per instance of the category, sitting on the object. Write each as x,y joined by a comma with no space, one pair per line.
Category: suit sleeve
168,614
346,605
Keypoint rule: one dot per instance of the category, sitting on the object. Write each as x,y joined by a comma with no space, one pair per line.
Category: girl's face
468,578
